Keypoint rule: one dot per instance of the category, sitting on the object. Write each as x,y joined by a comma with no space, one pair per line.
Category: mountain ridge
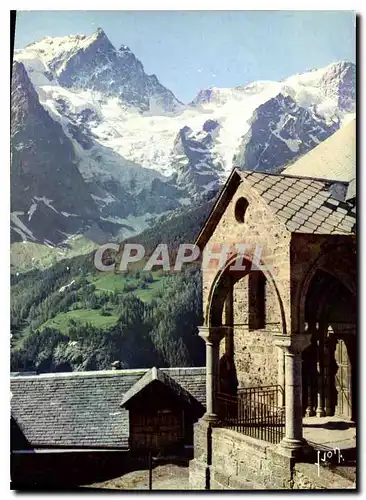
72,65
141,156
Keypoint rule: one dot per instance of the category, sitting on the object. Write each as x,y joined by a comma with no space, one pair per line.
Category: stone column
310,412
311,372
229,321
212,336
320,409
293,346
329,347
281,375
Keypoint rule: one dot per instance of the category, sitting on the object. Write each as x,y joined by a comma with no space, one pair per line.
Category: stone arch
321,263
247,366
226,278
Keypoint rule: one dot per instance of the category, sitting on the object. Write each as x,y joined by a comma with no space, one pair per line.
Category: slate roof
305,204
83,409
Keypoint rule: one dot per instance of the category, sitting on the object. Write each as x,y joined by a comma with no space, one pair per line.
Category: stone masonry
239,462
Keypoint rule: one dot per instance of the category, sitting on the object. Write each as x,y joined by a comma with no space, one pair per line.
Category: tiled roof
305,205
333,159
82,409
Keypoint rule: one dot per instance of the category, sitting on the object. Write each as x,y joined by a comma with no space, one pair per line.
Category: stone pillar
320,409
212,336
281,375
229,321
293,442
311,372
329,347
310,412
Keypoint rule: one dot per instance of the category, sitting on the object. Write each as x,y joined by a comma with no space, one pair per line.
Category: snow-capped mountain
193,159
93,63
287,131
49,197
141,152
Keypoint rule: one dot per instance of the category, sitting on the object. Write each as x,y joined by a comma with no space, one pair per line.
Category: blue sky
192,50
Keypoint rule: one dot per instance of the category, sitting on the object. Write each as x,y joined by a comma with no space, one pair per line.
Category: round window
240,209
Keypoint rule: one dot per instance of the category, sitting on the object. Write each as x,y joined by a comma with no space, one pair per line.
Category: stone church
279,319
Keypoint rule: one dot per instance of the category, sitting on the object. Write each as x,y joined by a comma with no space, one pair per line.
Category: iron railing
254,411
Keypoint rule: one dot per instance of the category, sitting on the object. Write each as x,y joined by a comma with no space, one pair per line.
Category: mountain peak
340,64
317,73
51,47
124,48
99,34
340,67
91,62
55,52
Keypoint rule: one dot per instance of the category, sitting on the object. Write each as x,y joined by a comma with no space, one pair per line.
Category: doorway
329,363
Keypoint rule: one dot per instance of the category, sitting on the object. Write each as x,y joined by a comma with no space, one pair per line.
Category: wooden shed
161,413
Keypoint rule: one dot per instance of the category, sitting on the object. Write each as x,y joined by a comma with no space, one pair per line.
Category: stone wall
306,476
239,462
260,228
255,356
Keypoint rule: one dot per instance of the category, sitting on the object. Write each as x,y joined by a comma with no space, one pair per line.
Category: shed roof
157,375
82,409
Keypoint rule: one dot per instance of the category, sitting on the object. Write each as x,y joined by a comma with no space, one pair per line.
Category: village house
280,331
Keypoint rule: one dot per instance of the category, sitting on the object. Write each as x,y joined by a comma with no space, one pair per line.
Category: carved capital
212,334
293,344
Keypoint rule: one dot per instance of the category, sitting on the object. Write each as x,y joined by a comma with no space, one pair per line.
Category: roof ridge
301,177
101,373
95,373
154,374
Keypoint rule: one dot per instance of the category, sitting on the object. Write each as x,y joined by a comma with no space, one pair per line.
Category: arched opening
247,301
339,262
329,362
240,209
